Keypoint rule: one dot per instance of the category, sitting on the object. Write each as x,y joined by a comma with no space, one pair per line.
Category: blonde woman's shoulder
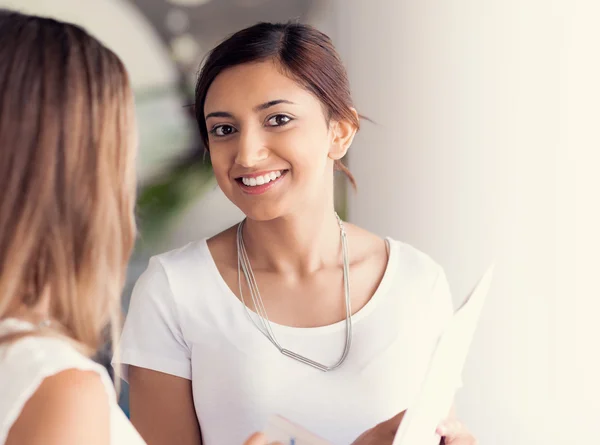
51,393
67,408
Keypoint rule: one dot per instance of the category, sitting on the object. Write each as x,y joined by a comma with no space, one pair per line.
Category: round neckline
363,312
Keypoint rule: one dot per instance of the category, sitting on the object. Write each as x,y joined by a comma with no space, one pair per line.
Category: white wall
486,147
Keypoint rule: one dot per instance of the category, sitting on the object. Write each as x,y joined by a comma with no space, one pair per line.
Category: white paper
436,396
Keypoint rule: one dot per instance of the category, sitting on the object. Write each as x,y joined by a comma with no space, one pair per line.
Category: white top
184,320
26,362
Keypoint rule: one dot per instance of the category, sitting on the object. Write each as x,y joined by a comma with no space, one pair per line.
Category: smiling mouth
254,181
261,183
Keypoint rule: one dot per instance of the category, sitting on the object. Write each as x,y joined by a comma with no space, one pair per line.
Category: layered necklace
264,325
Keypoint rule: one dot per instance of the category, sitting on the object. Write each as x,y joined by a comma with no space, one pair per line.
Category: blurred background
485,148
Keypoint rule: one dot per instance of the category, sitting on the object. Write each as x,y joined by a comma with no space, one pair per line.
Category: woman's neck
297,244
35,314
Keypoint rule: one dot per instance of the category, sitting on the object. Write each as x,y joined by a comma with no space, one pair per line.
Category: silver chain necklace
264,325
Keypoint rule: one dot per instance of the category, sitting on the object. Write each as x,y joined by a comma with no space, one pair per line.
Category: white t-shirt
184,320
26,362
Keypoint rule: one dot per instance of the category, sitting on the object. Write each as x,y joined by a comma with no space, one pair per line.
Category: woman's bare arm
162,408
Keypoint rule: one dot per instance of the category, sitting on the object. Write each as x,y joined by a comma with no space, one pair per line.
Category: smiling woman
352,318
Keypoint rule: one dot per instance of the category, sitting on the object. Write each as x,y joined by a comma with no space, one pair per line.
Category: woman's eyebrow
257,108
219,114
272,103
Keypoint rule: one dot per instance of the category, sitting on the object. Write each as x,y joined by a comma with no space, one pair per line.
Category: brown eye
278,120
222,130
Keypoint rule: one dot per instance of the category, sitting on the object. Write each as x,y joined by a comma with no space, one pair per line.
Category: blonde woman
67,180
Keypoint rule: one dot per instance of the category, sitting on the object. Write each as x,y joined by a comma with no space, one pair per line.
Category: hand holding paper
382,433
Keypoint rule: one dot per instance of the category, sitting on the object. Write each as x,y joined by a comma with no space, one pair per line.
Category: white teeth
260,180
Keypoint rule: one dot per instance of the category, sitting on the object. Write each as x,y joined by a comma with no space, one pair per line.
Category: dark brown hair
304,54
67,180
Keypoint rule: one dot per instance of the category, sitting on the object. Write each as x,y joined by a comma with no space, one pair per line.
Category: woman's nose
251,149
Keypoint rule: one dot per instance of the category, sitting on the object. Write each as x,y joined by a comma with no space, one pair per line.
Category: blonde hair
67,150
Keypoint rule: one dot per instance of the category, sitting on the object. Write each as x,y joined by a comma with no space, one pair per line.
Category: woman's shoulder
188,257
182,275
36,356
413,259
403,256
34,363
182,256
69,406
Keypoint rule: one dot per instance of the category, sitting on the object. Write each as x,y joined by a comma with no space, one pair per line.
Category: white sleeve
152,336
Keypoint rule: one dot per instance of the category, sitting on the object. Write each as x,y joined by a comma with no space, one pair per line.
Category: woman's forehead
251,84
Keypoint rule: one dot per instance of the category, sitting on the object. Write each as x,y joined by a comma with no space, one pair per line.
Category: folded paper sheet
445,368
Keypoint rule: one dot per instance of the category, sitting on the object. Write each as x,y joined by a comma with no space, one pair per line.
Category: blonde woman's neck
38,314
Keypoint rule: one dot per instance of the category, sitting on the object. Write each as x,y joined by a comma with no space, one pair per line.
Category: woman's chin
263,211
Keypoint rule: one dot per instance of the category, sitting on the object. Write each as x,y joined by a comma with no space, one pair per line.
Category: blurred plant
165,198
170,182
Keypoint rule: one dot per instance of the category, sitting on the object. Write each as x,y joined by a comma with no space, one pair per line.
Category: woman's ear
343,132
